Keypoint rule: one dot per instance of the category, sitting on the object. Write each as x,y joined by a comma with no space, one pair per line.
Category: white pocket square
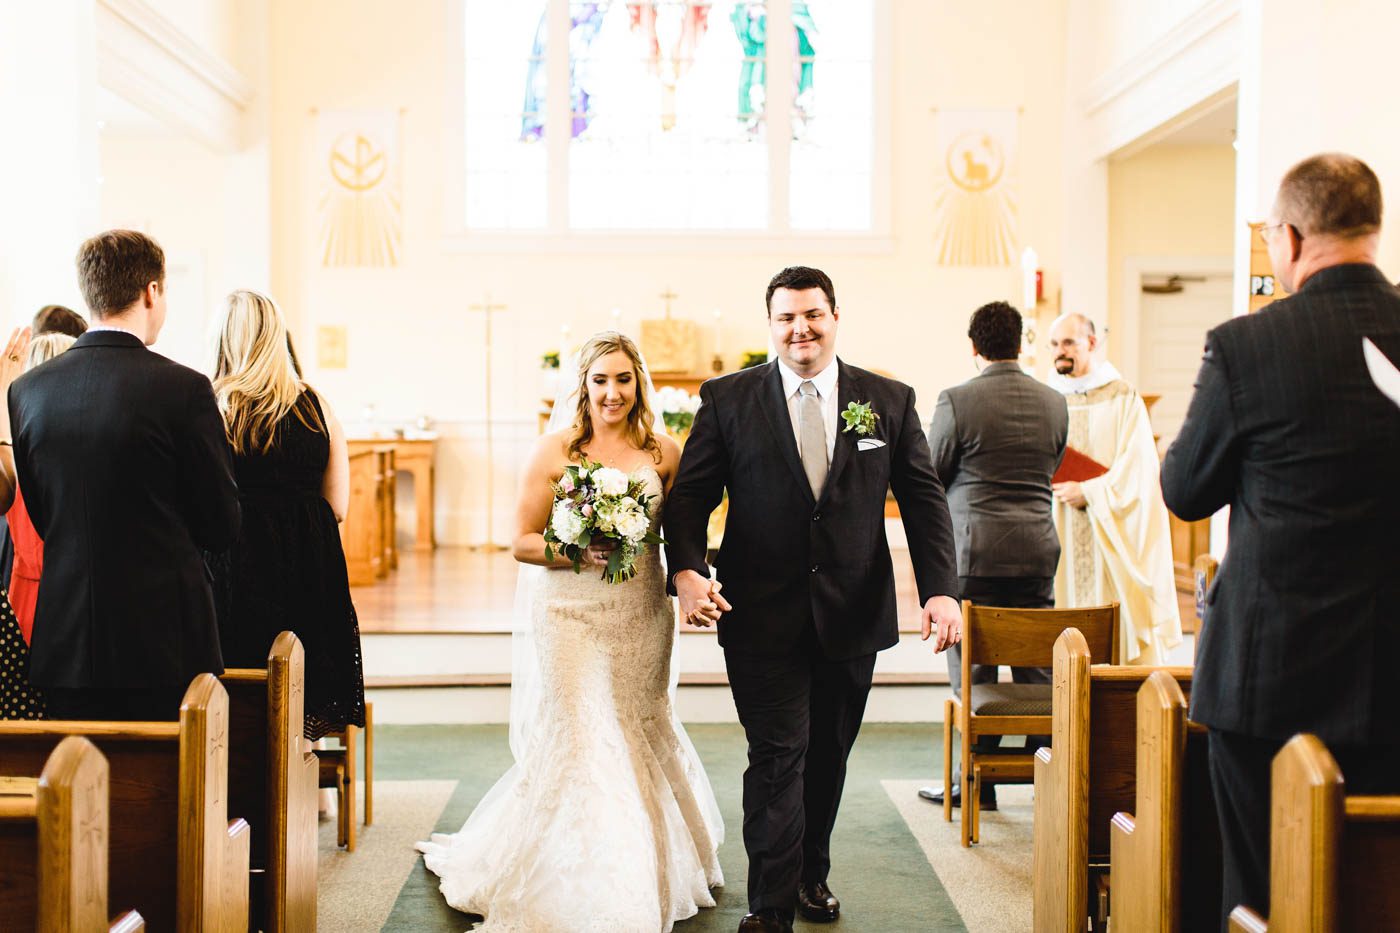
869,443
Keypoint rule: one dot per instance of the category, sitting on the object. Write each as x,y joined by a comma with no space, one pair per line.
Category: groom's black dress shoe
768,920
816,903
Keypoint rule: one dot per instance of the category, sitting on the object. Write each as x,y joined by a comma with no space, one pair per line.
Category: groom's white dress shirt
825,384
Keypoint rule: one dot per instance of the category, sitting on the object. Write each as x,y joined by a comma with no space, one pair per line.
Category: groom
808,585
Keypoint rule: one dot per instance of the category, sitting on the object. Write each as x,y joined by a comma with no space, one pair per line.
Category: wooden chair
1333,858
1086,775
1020,637
272,784
53,846
1166,859
337,771
173,853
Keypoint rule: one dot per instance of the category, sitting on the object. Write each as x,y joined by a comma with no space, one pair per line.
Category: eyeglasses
1267,232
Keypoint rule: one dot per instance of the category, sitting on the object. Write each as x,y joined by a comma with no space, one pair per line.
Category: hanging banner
357,171
975,187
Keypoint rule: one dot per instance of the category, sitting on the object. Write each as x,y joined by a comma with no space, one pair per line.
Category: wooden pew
1087,775
1333,858
53,846
1166,859
272,785
173,853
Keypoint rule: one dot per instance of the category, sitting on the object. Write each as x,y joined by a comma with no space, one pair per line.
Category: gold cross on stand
668,296
489,308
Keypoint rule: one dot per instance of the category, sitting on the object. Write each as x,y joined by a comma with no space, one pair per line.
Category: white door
1173,332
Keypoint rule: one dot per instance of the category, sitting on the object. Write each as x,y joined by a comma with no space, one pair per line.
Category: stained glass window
668,116
506,166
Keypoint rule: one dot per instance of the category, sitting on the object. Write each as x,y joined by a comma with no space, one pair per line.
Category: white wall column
48,165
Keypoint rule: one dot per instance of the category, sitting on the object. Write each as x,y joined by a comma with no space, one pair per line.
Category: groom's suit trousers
801,714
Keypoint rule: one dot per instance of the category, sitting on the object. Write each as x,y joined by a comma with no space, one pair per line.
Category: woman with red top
18,700
29,547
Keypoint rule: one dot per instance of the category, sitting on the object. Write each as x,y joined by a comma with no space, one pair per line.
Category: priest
1115,539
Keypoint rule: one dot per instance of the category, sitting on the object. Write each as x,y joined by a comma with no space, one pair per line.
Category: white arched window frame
545,177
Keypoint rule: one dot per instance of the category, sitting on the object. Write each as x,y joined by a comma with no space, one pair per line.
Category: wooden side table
413,456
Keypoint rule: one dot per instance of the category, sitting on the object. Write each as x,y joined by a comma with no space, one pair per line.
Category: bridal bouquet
597,503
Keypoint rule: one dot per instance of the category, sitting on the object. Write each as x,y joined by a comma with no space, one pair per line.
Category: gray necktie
813,433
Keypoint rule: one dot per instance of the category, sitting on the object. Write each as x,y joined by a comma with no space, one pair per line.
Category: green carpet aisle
881,874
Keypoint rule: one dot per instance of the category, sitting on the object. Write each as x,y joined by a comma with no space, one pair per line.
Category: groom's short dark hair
800,278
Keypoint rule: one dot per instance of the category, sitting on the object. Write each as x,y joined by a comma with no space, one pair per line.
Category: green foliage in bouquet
594,503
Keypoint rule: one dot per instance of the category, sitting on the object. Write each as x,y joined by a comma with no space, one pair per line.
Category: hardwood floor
454,590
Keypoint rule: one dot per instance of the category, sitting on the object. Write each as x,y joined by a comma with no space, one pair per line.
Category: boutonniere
860,417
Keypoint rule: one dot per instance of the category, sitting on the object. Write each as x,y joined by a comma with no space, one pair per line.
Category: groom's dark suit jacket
790,561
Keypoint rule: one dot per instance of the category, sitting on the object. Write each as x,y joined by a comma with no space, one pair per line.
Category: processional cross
489,308
668,296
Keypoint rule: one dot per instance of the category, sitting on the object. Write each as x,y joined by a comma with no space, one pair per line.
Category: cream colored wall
1166,201
415,349
213,24
1124,29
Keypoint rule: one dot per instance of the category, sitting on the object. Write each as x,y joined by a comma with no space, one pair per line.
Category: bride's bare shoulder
550,451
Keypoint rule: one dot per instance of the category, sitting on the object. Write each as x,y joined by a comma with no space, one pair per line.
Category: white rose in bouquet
566,523
611,482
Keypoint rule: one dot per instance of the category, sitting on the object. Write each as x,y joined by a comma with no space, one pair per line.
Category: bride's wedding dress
607,821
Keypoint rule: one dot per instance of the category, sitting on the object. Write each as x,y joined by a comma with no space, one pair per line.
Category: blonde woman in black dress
286,570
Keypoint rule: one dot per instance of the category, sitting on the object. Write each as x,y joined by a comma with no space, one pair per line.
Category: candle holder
717,364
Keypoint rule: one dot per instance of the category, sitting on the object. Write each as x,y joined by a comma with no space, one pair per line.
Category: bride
606,821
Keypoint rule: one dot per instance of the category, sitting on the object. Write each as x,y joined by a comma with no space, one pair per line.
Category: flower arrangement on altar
678,408
753,358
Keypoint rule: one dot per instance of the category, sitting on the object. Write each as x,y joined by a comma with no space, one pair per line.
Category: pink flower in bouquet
566,483
587,511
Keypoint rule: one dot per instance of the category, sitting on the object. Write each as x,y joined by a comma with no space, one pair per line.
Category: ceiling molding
1215,16
149,61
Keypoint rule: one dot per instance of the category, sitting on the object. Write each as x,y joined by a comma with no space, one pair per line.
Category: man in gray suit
997,439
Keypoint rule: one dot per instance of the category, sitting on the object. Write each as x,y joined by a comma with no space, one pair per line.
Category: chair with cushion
1019,638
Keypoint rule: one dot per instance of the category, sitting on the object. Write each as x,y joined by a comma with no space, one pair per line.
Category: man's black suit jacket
127,475
790,561
1302,626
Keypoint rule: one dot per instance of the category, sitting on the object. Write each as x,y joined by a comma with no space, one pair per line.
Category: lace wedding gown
607,821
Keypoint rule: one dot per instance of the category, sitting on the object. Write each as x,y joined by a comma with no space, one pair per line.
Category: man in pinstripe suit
1302,626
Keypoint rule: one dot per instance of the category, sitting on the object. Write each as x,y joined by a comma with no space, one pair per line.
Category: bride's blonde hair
255,379
640,420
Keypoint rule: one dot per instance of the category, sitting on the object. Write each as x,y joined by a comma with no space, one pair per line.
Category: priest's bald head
1073,340
1327,213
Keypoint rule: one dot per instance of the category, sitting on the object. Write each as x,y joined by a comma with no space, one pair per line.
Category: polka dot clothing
18,700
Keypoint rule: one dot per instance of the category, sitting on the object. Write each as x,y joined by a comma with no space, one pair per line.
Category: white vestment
1119,548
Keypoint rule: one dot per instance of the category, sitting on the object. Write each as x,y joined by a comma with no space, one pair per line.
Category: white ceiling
1215,126
119,116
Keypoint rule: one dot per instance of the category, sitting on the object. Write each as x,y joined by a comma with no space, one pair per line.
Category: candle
1029,263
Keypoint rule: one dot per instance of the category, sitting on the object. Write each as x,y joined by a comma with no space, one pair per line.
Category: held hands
701,604
942,615
1070,494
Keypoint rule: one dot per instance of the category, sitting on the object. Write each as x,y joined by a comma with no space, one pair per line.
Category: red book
1077,467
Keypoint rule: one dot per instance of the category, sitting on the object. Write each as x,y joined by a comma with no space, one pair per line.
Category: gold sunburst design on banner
974,204
361,217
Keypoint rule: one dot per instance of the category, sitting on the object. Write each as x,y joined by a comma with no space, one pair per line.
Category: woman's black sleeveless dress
286,572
